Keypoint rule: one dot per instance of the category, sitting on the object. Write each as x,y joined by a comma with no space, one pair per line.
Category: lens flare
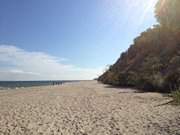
133,10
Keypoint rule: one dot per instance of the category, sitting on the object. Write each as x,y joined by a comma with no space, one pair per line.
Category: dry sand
86,108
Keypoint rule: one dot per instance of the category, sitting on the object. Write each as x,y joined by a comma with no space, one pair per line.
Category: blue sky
84,34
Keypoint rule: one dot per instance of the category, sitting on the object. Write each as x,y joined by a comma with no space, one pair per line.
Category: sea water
22,84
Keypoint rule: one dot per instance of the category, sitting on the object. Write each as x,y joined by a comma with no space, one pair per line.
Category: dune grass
176,96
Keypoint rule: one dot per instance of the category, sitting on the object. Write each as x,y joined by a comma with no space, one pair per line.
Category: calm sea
20,84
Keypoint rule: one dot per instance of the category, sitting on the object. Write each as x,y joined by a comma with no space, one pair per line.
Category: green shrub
176,96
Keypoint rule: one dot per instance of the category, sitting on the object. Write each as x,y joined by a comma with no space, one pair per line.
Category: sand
86,108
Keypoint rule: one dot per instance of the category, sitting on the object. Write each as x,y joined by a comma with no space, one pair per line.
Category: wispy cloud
19,64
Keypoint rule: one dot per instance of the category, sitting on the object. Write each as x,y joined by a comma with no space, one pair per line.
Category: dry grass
176,96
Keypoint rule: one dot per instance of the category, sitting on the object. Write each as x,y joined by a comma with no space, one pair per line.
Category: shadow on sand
135,90
124,89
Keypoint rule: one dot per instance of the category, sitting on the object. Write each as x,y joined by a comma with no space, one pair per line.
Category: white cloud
18,64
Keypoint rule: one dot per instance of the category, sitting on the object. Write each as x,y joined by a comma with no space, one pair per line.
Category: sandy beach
86,108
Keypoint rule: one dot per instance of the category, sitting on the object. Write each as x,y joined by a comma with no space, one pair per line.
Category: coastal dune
86,108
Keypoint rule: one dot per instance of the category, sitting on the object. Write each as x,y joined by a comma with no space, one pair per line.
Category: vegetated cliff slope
153,61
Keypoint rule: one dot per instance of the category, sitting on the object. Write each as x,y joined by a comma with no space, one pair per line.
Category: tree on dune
168,13
153,61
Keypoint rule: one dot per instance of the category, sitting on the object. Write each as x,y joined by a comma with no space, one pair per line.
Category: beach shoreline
86,108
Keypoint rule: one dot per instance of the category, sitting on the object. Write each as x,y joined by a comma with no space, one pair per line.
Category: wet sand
86,108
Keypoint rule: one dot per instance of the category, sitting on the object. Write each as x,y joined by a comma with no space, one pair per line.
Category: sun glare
144,6
148,7
135,11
